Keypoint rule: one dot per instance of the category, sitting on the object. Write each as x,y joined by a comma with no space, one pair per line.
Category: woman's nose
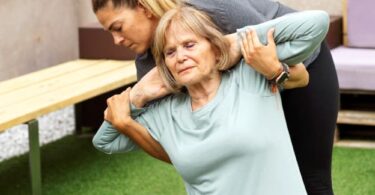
117,38
180,55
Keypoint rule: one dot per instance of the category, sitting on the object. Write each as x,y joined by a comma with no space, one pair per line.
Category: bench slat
356,117
54,83
44,74
61,97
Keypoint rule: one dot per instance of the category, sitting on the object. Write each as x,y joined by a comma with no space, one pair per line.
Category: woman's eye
118,29
169,52
189,45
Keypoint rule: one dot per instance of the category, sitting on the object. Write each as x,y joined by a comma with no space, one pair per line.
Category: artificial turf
72,166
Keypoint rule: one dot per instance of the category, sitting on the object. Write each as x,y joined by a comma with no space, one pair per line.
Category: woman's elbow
324,20
321,18
305,80
100,145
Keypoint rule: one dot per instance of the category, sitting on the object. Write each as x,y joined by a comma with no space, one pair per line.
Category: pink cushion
355,67
361,23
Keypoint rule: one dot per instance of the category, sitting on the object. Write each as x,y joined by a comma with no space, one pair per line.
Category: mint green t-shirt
238,143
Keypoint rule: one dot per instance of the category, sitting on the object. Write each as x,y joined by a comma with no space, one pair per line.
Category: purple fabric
361,23
355,68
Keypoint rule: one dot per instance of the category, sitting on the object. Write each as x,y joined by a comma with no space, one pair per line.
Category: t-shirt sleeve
249,80
108,140
148,117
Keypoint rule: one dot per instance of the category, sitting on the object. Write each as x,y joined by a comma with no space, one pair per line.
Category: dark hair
99,4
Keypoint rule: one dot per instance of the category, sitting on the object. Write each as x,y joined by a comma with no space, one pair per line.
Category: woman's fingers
106,113
270,37
244,45
125,99
249,40
118,108
247,47
254,38
250,44
263,58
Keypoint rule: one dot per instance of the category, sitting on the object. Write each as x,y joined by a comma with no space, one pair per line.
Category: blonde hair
159,8
156,7
194,21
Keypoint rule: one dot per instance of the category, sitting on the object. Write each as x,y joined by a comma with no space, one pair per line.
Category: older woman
224,131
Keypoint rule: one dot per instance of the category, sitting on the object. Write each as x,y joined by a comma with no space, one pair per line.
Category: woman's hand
263,58
149,88
298,77
118,110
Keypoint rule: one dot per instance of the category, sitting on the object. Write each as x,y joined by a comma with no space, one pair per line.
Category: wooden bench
25,98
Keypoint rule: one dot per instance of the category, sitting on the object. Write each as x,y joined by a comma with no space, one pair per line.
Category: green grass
72,166
354,171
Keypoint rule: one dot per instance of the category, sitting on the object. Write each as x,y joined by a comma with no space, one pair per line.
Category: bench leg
78,118
34,158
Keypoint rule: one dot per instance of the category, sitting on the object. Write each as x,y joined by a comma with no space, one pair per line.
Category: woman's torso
238,143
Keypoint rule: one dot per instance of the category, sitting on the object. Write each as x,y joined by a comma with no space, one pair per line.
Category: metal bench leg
78,118
34,158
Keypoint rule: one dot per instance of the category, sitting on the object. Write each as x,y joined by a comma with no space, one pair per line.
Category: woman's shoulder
173,101
248,79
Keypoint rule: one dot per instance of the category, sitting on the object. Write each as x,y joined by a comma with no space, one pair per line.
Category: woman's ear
148,13
145,10
217,54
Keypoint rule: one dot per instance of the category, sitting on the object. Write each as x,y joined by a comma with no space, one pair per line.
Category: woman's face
189,57
132,28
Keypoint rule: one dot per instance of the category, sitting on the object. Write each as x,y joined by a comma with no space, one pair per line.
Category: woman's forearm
127,138
149,88
139,135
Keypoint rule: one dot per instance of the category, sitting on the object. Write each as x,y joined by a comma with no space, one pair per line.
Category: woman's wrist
274,70
234,49
137,97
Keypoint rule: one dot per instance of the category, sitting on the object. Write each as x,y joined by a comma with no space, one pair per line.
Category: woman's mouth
184,70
